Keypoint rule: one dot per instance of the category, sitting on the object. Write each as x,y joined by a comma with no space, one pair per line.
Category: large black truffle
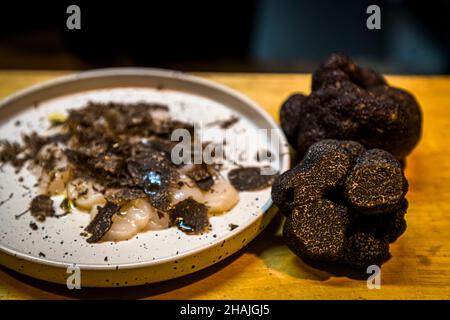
344,204
348,102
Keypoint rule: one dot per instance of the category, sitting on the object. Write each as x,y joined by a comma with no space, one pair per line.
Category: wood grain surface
266,269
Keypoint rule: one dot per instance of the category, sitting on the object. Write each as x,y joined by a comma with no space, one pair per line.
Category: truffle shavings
108,156
200,174
190,216
249,179
41,207
102,221
225,124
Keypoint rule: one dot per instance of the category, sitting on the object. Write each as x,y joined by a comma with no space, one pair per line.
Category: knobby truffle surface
344,204
348,102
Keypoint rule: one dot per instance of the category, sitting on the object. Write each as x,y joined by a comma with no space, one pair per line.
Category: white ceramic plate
154,255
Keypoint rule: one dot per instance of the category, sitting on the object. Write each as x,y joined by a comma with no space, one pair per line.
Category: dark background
230,36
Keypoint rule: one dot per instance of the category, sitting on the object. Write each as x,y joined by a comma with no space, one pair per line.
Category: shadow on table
271,249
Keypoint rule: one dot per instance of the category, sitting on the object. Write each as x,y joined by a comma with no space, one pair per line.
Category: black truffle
41,207
319,232
190,216
250,179
376,183
348,102
201,176
364,249
344,204
102,221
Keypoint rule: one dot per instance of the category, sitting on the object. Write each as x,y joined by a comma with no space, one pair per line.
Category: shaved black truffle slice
201,176
41,207
2,202
154,174
249,179
102,221
232,226
226,123
364,250
189,216
10,152
122,195
317,230
33,226
376,184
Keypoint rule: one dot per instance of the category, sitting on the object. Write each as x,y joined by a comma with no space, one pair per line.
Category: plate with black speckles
55,249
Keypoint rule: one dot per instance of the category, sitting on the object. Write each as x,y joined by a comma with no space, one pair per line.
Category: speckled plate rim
151,72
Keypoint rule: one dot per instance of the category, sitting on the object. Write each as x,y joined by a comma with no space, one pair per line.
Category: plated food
89,179
113,161
106,193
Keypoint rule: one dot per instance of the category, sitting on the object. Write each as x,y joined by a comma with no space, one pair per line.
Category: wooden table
266,269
